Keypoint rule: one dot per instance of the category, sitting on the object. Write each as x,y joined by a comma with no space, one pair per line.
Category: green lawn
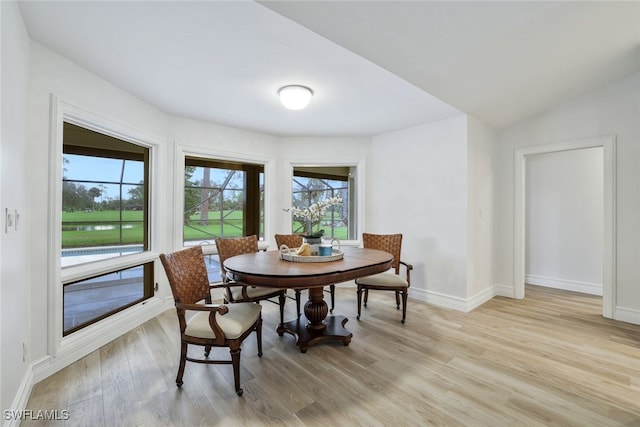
133,233
101,216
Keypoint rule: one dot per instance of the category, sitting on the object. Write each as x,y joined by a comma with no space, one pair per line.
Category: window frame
84,150
182,152
252,171
100,330
148,280
358,188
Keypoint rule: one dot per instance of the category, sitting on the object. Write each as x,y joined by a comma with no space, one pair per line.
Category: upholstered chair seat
234,323
384,280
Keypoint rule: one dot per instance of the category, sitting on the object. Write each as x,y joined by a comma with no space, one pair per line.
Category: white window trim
183,151
87,339
342,161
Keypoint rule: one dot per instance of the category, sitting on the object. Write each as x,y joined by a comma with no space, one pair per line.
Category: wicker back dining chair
211,325
390,280
237,292
295,241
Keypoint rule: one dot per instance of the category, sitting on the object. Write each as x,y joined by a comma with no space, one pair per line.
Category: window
104,196
222,199
104,215
90,300
312,184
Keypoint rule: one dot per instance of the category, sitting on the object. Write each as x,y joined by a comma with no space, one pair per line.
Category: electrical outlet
24,351
9,220
16,219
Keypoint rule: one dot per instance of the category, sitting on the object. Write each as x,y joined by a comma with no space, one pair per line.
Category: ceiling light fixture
295,97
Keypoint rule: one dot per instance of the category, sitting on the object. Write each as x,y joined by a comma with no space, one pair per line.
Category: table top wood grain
267,269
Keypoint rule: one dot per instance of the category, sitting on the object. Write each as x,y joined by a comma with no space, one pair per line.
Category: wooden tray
287,254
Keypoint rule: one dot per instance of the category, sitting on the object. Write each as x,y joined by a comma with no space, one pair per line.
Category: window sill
95,268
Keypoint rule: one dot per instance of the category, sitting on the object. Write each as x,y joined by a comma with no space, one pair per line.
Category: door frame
608,143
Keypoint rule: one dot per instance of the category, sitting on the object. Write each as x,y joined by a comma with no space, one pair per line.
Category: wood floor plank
117,378
85,378
147,379
86,409
550,359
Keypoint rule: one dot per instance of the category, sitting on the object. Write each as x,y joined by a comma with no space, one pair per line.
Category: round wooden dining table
267,269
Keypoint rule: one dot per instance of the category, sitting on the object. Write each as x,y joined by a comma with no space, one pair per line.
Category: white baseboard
567,285
504,291
627,315
480,298
453,302
21,399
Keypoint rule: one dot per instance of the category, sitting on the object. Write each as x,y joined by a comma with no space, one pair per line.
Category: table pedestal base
307,337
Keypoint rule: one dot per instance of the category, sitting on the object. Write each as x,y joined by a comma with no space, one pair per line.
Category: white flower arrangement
313,214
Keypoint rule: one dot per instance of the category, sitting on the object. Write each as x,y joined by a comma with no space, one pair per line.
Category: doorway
520,161
564,220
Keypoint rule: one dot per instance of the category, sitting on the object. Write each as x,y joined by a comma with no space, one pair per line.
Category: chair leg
366,296
235,361
259,336
297,291
404,304
397,300
207,350
281,299
359,292
183,361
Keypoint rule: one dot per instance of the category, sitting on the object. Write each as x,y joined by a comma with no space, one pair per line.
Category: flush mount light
295,97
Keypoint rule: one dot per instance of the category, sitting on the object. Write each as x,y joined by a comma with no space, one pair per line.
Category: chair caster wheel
239,392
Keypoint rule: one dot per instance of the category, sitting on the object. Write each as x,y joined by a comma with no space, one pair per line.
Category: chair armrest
213,309
408,267
222,309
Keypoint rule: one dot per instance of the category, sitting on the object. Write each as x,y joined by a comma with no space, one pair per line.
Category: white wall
612,110
417,186
482,146
564,220
15,276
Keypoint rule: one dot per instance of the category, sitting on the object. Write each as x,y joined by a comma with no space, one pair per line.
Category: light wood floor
550,359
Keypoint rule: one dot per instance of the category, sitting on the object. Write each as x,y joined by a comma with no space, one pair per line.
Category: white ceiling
374,66
500,61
